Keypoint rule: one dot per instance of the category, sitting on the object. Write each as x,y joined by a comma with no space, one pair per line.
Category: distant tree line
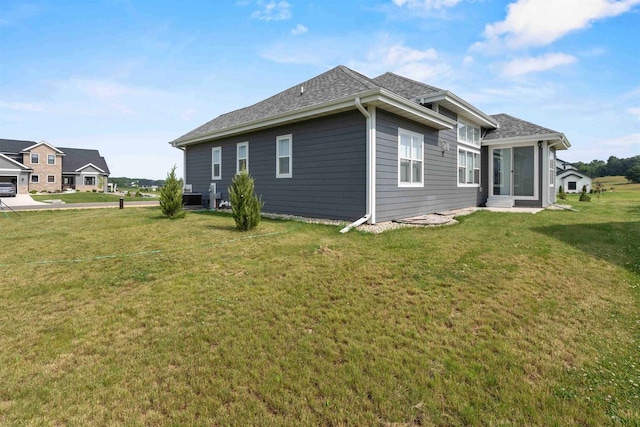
140,182
612,167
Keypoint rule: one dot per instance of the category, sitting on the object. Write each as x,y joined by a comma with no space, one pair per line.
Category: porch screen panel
523,171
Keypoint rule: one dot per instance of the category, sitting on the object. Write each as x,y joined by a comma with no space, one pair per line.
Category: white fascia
552,138
373,96
42,143
20,165
454,99
86,166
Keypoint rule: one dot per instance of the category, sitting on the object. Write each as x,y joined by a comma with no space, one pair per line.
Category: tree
633,174
598,189
171,196
245,205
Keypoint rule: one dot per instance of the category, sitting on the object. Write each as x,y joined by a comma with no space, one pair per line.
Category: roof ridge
360,78
437,89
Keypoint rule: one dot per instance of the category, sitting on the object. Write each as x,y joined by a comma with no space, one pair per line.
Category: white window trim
411,184
464,141
37,181
37,162
54,159
84,180
238,158
552,169
51,182
469,150
213,175
288,137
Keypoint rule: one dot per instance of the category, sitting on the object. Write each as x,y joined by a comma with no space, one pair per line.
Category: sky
126,77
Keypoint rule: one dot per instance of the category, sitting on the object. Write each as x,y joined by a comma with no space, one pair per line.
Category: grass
134,319
85,197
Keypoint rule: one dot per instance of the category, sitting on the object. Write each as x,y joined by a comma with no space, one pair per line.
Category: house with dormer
39,166
570,178
345,146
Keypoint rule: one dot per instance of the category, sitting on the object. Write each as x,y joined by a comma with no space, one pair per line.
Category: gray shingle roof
511,127
339,82
76,158
405,87
14,145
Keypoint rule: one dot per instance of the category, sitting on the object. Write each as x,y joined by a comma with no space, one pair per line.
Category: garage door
13,179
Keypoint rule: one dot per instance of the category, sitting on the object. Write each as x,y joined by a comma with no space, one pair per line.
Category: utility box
214,196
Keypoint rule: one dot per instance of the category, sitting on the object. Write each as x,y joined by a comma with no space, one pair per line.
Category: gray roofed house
345,146
40,166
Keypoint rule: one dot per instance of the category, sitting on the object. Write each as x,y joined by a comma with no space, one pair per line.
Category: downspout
371,158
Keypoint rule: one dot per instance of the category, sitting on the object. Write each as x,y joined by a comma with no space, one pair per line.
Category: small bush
94,190
245,205
33,192
171,196
561,194
139,194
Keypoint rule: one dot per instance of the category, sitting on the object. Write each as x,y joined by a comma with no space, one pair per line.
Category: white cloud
426,4
273,11
521,66
634,111
541,22
299,29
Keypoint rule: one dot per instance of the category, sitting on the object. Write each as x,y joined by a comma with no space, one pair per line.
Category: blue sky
126,77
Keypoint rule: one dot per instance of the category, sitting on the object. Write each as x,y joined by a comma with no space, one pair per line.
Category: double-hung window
410,158
284,156
242,157
468,167
51,178
468,154
35,158
216,163
468,133
51,159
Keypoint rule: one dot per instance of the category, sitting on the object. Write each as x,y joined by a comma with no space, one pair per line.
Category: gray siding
440,191
329,167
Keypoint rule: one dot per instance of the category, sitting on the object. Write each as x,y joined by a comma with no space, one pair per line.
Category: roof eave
552,138
373,96
445,97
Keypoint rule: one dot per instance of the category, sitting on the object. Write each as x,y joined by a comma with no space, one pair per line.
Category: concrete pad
20,200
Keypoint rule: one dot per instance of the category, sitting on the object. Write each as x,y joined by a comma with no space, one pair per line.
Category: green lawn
122,317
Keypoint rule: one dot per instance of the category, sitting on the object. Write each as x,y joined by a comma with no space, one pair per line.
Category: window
283,156
89,180
242,157
552,169
468,133
572,185
410,151
51,159
51,178
468,167
35,158
35,179
216,163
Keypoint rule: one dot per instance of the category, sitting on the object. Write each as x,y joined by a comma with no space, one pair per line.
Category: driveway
20,200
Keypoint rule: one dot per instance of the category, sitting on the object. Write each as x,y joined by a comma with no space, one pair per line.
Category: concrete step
500,202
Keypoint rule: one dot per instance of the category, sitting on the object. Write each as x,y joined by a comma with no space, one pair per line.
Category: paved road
24,202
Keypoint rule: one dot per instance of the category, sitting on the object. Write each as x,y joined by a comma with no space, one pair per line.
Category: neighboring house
40,166
345,146
571,180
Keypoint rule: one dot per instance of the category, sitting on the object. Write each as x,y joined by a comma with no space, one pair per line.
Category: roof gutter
371,167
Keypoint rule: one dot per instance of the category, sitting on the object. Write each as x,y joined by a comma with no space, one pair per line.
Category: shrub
583,195
561,194
139,194
245,205
94,190
128,194
33,192
171,196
